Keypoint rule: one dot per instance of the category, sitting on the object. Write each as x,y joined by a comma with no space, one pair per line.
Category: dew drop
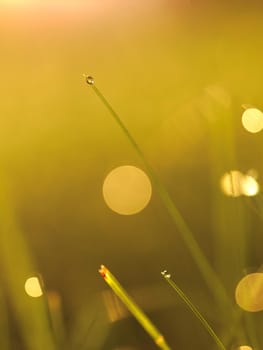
90,80
166,274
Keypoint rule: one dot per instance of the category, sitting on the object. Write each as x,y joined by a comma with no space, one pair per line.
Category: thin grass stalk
194,310
209,275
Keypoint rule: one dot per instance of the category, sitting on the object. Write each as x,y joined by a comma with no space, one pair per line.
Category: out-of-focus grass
4,329
17,264
153,66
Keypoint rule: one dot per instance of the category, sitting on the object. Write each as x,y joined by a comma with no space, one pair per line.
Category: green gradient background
177,72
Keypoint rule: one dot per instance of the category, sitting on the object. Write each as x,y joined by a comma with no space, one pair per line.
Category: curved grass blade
199,258
194,310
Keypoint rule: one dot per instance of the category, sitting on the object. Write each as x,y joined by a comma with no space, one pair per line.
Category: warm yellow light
244,347
33,288
250,186
235,184
18,2
249,292
127,190
231,183
252,120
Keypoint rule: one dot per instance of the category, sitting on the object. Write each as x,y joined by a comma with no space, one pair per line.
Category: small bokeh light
244,347
54,300
127,190
234,184
231,183
252,120
249,292
33,287
250,186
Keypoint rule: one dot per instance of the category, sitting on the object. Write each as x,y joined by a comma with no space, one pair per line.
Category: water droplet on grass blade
166,274
89,79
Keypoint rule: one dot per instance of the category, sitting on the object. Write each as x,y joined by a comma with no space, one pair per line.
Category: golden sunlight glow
252,120
249,292
250,186
33,288
231,183
235,184
127,190
19,2
244,347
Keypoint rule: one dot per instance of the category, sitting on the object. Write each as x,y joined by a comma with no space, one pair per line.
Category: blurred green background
178,72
